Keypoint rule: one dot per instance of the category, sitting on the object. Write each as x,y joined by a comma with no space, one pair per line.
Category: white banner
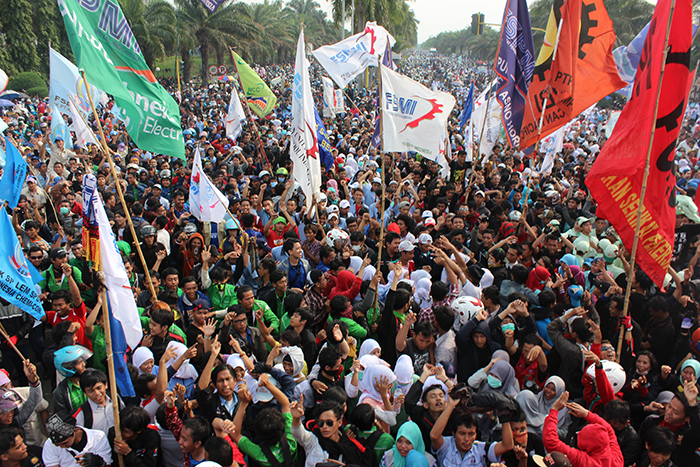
413,116
350,57
235,117
333,100
65,80
83,134
612,121
3,80
207,203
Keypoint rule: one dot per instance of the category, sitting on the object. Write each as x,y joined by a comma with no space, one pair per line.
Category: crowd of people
401,317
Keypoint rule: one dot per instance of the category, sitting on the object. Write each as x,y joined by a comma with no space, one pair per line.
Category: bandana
58,430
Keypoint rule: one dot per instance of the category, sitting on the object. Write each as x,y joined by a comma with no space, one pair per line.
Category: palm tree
153,25
276,37
229,24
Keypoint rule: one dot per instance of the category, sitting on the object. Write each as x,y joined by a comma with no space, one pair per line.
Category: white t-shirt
97,443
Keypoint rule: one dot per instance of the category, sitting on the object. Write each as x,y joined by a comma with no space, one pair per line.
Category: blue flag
16,283
119,350
467,108
13,175
324,146
515,62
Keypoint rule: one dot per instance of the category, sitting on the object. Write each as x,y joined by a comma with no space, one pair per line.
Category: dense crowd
405,318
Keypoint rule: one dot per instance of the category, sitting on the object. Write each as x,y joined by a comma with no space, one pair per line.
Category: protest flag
258,95
83,134
333,100
3,80
13,175
304,142
212,5
16,283
348,58
592,73
413,116
105,48
324,145
235,116
65,82
632,178
123,328
467,108
515,62
207,203
59,128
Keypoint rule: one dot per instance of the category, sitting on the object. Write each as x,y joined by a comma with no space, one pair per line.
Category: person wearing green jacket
221,294
246,298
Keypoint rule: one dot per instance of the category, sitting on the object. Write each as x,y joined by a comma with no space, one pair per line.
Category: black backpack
286,455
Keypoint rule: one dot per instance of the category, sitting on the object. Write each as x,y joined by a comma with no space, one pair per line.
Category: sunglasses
328,423
36,257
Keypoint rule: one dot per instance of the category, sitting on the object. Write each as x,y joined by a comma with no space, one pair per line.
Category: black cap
57,253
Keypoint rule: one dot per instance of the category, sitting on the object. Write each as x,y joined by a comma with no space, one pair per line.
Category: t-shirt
419,357
96,443
449,456
254,452
99,349
76,315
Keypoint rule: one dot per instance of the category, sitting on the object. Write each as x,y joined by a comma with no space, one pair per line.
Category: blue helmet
64,359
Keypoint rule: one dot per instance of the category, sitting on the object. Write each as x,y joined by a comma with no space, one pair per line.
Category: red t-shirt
274,239
76,315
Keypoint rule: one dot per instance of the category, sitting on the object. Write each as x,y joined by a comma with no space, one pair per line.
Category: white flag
207,203
469,140
350,57
235,117
304,148
3,80
83,134
552,144
413,116
487,139
333,101
65,80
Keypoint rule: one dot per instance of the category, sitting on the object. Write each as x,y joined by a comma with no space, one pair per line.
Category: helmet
515,216
465,308
64,358
190,228
613,371
282,171
232,224
9,400
147,230
337,239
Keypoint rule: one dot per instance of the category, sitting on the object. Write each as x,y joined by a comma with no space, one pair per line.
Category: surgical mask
494,382
508,327
273,183
280,179
64,210
356,249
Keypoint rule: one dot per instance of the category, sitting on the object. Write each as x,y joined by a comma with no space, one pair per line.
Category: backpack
368,444
286,455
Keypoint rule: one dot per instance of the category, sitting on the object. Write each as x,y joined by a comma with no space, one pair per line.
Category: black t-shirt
459,171
534,447
33,458
419,357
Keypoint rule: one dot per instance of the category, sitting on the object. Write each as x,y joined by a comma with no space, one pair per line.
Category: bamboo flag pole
247,108
114,395
10,343
119,190
383,181
640,208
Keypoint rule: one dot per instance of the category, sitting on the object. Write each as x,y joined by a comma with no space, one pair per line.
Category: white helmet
515,216
465,308
613,371
337,239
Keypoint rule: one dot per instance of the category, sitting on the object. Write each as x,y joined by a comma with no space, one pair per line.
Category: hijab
186,370
297,357
527,400
371,376
506,375
536,278
546,405
141,356
412,433
422,295
404,373
695,365
368,346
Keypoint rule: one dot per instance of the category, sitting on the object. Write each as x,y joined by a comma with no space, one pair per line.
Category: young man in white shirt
67,443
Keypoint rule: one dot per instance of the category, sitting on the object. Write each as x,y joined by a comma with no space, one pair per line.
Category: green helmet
282,171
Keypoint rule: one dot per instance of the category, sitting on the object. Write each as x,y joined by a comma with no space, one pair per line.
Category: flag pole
119,190
114,395
640,208
10,343
247,108
383,181
486,113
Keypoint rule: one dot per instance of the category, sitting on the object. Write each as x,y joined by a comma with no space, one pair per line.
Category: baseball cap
262,394
377,180
344,204
332,208
498,254
57,253
406,246
479,192
582,220
31,178
404,204
430,221
425,239
157,185
665,397
427,214
333,214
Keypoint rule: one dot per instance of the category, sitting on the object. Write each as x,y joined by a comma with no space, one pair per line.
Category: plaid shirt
426,314
315,303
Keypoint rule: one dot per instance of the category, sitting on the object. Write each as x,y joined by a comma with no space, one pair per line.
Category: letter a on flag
585,72
615,180
304,142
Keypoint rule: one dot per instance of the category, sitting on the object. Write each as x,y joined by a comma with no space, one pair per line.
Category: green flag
260,98
105,47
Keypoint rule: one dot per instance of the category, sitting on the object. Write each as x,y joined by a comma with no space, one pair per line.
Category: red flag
584,70
615,180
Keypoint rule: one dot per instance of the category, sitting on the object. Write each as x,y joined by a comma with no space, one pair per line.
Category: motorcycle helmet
64,359
613,371
465,309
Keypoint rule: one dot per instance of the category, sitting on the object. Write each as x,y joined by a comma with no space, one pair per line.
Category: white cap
377,180
427,214
344,204
263,173
425,239
479,192
332,208
406,246
430,221
333,214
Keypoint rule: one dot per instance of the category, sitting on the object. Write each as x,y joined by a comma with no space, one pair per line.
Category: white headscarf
404,373
371,376
422,295
297,357
141,356
368,346
186,370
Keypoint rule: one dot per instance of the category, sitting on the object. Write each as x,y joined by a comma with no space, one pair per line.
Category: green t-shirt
76,395
99,347
50,283
248,447
145,321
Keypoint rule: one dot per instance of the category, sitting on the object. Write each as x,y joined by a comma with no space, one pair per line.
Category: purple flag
212,5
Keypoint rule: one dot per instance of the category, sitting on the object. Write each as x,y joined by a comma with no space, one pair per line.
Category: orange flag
584,70
615,180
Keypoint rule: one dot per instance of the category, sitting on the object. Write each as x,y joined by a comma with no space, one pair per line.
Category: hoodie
597,442
348,285
468,356
188,255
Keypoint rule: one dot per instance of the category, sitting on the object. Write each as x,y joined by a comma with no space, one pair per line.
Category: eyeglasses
36,257
240,321
607,349
328,423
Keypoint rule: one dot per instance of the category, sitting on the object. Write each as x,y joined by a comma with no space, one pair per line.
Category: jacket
597,442
283,267
467,357
144,449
